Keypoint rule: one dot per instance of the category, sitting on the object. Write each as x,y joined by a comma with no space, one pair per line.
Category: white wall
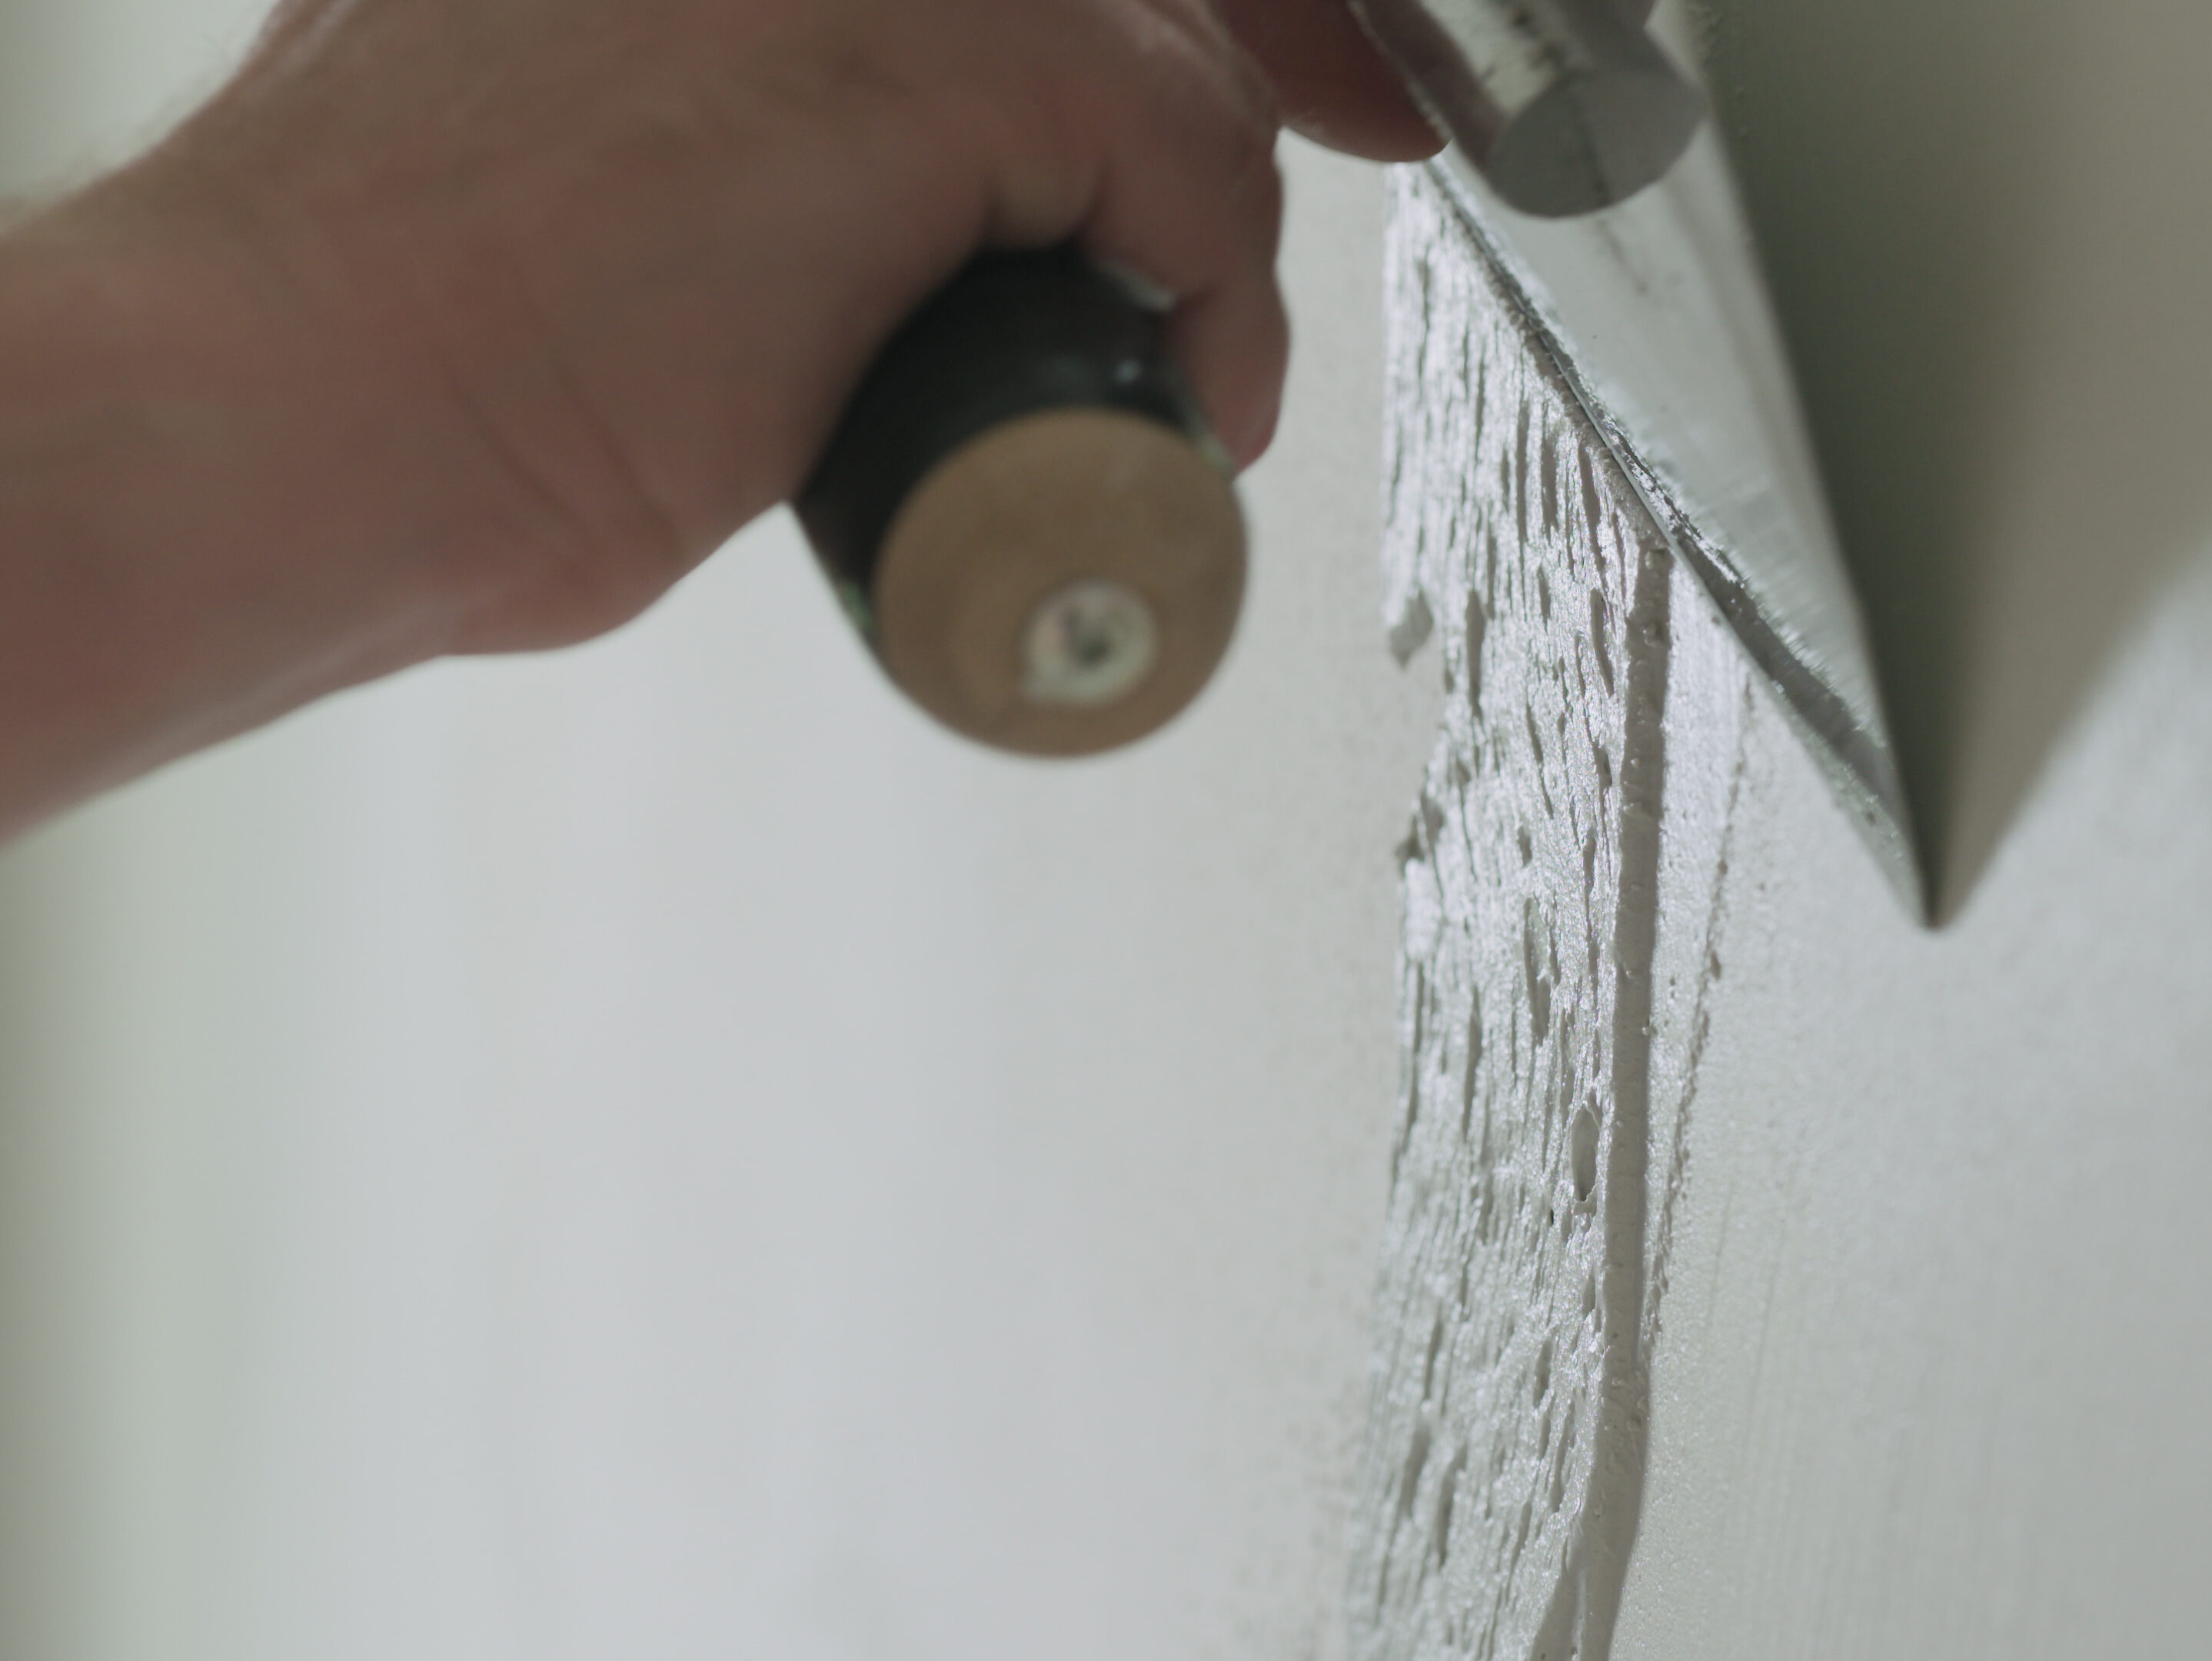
656,1151
1929,1375
1931,1379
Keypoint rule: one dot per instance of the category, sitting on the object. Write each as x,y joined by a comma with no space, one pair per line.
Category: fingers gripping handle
1026,514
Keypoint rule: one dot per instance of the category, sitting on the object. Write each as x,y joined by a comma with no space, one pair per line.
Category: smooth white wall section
1929,1379
656,1151
84,84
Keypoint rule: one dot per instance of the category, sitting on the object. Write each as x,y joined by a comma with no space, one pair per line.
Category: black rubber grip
1013,334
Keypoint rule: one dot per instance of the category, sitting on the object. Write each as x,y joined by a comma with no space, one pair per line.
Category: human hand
1333,83
631,256
471,325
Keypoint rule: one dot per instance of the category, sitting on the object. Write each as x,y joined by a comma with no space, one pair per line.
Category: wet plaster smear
1506,1454
1765,1275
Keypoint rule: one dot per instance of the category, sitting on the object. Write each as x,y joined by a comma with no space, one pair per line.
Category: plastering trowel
1025,514
1584,164
1029,522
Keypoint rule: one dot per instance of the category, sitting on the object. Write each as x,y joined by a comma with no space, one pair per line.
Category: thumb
1335,86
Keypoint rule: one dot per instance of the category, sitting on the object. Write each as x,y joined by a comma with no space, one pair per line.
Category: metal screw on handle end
1089,645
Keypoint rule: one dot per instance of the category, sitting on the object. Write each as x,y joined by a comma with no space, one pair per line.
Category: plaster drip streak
1503,1469
1708,974
1589,1599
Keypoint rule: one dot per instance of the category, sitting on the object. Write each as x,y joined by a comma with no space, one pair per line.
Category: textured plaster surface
1506,1446
1922,1235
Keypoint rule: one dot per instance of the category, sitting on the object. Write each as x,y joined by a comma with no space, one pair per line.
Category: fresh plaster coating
1924,1238
1505,1455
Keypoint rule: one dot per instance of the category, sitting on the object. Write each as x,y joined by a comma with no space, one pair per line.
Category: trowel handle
1026,514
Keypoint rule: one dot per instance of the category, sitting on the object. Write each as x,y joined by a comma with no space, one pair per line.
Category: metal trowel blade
1656,313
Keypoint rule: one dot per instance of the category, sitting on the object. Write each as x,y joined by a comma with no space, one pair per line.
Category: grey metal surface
1660,320
1567,105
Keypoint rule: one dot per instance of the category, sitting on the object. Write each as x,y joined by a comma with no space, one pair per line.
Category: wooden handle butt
1026,515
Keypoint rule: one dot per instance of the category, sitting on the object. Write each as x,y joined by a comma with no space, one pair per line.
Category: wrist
197,531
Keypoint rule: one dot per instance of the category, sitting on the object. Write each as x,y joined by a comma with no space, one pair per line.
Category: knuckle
1255,92
1241,86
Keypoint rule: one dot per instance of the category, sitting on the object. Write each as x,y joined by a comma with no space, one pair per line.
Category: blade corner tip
1869,789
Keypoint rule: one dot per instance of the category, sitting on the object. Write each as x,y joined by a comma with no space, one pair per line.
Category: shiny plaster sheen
1552,988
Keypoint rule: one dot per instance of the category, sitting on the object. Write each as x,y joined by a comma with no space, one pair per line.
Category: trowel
1584,163
1028,523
